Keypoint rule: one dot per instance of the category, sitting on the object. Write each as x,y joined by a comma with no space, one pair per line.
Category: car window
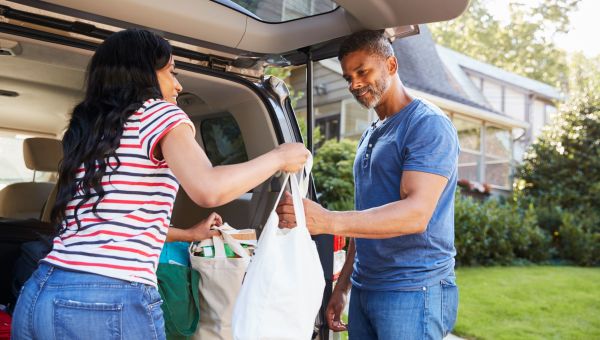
12,164
223,140
282,10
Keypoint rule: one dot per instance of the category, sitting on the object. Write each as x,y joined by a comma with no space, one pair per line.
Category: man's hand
333,314
318,219
201,231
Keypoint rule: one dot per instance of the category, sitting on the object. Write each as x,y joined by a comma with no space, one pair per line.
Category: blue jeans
61,304
424,313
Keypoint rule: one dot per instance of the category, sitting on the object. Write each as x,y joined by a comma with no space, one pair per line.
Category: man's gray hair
373,42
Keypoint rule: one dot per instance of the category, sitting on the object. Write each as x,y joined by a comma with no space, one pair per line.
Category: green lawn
531,302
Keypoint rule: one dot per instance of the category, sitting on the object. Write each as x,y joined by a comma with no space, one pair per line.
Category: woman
126,148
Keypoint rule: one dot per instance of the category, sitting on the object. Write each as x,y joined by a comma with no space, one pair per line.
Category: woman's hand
292,156
201,231
198,232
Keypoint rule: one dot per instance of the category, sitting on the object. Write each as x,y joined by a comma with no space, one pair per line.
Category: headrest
42,154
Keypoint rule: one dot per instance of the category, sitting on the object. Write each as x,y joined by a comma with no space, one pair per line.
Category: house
497,113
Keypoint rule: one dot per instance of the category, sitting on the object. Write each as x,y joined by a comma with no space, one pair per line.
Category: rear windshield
275,11
223,140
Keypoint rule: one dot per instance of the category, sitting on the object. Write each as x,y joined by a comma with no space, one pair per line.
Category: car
221,48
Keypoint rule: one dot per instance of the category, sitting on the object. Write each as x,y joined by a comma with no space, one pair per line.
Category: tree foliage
561,171
333,173
523,45
584,80
563,165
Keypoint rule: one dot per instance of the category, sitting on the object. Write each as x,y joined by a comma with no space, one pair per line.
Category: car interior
49,82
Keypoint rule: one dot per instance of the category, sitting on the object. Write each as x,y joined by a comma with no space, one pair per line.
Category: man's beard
376,92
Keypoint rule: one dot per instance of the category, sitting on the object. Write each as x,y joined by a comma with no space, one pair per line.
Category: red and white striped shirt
126,241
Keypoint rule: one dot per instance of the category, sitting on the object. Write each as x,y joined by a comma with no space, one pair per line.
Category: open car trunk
236,120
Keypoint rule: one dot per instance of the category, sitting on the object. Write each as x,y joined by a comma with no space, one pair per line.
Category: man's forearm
394,219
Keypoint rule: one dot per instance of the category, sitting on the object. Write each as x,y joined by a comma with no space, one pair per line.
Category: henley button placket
372,141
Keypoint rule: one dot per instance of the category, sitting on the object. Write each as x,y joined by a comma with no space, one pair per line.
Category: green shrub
333,174
468,230
561,176
493,232
579,239
549,218
536,245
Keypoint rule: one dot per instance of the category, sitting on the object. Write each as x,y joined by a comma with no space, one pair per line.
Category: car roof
226,27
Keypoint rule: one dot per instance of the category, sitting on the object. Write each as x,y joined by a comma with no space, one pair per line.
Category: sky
585,23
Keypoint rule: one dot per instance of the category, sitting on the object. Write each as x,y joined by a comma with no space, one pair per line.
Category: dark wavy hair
120,77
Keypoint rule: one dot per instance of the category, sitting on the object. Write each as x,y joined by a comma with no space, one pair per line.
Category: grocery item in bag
221,276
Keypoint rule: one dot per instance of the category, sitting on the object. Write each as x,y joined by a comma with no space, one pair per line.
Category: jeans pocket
153,307
87,320
449,304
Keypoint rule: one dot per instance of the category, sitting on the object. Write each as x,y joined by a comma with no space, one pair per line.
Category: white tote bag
283,288
220,281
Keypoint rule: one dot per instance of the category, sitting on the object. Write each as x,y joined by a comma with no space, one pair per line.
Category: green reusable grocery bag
178,287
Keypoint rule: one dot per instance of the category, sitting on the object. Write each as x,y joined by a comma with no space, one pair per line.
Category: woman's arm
210,186
198,232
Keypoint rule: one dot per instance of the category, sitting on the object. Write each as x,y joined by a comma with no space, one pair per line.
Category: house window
223,140
469,160
329,126
498,151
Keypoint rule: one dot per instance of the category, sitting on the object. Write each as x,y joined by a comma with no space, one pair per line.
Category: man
400,260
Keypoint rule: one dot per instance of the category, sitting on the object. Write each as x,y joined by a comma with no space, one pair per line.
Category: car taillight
339,242
339,255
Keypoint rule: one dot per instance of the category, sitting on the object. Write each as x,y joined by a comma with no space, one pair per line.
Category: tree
524,45
584,80
563,165
561,171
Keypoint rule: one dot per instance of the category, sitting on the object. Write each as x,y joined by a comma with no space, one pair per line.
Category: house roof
421,68
457,62
434,70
